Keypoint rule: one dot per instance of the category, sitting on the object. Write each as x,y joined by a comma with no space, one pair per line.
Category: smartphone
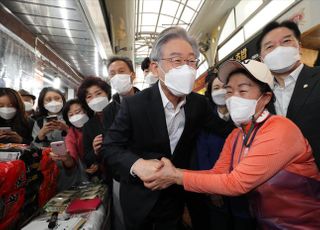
58,147
5,128
52,118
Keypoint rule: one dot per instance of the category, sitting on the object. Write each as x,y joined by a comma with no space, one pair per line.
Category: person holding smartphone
49,125
15,127
69,174
70,153
60,153
76,117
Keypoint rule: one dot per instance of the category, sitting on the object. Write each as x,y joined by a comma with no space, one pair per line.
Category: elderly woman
266,157
94,95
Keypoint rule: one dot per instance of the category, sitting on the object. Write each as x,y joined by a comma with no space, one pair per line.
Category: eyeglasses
177,61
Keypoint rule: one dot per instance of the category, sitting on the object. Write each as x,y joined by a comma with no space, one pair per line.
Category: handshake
157,174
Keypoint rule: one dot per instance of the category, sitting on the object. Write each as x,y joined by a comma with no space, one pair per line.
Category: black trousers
233,215
167,212
198,210
174,224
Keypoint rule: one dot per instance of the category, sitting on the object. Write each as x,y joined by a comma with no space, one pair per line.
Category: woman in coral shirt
266,157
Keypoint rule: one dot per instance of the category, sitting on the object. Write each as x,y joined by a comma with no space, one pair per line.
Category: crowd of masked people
246,155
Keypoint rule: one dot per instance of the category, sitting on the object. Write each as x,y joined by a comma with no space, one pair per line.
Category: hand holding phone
59,148
59,125
8,135
6,129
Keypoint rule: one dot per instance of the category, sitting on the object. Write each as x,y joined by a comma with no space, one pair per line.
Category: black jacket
90,130
99,125
304,107
110,112
139,131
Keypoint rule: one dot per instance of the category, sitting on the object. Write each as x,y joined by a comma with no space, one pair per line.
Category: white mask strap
256,105
161,70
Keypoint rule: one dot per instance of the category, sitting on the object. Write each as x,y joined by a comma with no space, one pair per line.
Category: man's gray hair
170,34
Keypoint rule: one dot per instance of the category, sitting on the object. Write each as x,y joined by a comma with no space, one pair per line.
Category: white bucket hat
257,69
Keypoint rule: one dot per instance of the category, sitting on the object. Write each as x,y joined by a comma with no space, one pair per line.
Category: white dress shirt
284,94
225,116
175,119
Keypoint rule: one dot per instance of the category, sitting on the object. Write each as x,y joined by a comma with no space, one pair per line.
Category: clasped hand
157,174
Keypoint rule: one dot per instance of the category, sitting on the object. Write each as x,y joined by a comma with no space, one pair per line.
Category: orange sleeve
274,147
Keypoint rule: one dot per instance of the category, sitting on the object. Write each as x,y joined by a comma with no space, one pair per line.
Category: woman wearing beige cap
266,157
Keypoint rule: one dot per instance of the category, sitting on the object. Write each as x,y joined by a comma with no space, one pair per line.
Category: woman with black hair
15,126
75,116
70,163
94,94
209,145
49,125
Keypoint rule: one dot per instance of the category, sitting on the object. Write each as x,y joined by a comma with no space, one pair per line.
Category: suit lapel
304,86
157,117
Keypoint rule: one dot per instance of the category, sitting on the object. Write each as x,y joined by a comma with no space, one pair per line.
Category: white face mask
151,79
241,110
7,113
218,96
98,104
282,59
54,106
121,83
180,80
28,106
79,120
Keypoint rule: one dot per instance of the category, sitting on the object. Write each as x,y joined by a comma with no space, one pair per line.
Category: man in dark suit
297,87
161,121
120,69
121,75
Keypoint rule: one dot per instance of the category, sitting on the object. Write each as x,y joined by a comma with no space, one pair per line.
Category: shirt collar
295,73
292,77
165,101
